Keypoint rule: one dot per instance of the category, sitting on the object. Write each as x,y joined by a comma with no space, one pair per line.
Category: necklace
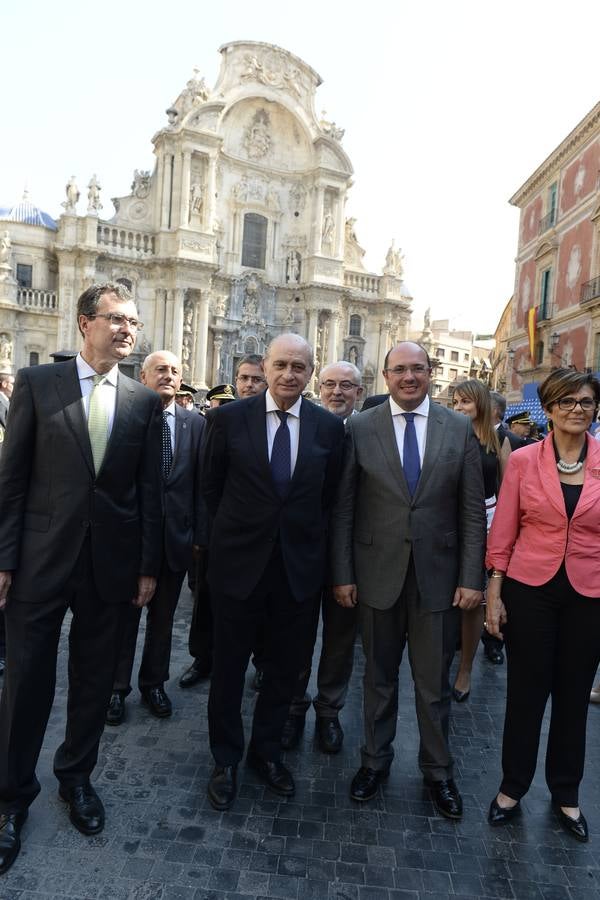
567,468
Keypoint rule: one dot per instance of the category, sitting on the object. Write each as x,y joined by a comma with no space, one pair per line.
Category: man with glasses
340,389
80,528
408,542
250,376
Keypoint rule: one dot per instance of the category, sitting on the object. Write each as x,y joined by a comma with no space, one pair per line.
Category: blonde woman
472,399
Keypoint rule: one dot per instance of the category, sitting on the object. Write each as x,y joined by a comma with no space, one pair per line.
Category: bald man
184,530
271,467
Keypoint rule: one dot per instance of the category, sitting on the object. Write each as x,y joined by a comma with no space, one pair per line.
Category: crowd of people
409,523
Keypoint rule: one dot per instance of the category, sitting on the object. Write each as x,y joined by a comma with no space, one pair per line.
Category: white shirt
170,411
108,389
293,423
421,414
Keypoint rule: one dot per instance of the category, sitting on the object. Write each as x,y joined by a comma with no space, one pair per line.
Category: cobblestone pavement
162,841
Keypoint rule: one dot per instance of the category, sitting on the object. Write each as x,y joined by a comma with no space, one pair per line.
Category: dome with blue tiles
27,213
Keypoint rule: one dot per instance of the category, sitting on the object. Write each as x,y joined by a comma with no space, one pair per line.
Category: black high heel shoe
501,815
577,827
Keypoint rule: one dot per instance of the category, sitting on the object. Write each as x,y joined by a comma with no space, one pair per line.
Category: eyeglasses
568,404
255,379
343,385
414,370
119,320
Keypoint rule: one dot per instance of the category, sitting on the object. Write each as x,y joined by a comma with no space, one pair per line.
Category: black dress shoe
10,838
292,732
365,784
494,655
116,709
274,774
500,815
85,807
222,787
330,734
446,798
198,670
257,681
577,827
157,702
460,696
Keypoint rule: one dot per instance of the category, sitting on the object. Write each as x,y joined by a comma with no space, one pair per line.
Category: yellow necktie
98,423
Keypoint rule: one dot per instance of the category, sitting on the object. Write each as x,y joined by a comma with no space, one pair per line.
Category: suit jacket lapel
590,493
548,474
256,422
181,437
69,391
308,427
436,426
386,435
124,402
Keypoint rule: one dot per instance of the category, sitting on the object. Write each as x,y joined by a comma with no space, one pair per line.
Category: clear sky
448,107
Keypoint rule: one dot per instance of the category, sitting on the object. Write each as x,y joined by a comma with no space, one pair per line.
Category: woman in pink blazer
544,597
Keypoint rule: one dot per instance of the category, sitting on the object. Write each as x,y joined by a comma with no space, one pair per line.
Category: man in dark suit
249,381
270,471
408,542
6,388
498,413
79,528
184,533
340,389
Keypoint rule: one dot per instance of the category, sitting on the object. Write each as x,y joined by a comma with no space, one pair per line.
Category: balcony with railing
122,242
548,221
32,298
366,284
590,290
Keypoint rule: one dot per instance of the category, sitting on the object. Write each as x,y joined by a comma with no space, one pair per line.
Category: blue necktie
411,462
167,450
281,464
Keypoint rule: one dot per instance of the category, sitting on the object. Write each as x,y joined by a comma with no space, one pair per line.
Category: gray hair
499,402
297,339
343,362
149,359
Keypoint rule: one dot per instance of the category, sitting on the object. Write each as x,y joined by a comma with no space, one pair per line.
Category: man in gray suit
408,541
184,529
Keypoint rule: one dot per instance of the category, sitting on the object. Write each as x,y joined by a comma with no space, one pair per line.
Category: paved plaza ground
162,840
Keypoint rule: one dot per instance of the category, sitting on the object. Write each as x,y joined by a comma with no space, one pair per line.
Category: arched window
34,359
355,326
126,283
254,242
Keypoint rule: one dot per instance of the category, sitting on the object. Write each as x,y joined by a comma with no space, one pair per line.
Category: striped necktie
98,423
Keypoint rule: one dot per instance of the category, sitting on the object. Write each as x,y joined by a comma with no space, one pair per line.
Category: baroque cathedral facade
239,234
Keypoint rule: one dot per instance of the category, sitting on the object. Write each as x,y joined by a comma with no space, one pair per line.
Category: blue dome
27,213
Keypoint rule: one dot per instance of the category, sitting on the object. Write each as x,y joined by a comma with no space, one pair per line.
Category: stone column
334,336
319,200
177,332
202,313
184,199
211,189
384,346
340,226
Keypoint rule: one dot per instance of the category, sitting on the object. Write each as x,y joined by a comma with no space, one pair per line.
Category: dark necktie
281,463
411,462
167,450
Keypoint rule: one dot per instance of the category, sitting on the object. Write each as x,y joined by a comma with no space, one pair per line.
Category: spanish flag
531,326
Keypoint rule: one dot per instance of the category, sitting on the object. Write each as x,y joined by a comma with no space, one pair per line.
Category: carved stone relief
257,136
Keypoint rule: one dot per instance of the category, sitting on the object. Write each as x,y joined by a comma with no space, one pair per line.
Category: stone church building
239,234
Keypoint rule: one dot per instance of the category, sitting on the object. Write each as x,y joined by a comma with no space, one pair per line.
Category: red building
556,306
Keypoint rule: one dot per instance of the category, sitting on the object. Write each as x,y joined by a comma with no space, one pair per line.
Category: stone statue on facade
293,267
257,139
196,198
94,189
393,262
72,192
330,128
6,349
140,187
5,250
328,230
